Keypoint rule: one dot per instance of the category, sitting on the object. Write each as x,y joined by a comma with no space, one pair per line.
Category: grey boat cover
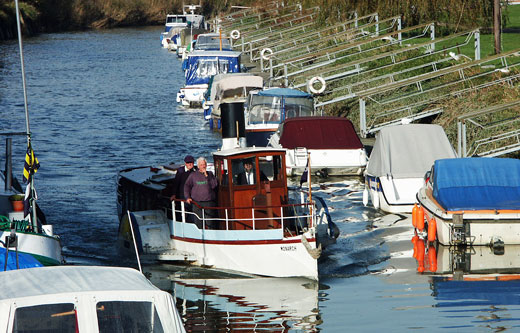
408,151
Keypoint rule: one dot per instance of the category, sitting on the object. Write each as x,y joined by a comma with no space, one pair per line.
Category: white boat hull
46,249
334,161
480,227
257,252
192,94
393,195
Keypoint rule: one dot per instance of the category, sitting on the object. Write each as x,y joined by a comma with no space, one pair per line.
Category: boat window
221,172
210,67
244,171
298,107
270,166
45,318
264,110
121,316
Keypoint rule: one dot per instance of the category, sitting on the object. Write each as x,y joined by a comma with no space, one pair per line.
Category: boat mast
27,127
28,131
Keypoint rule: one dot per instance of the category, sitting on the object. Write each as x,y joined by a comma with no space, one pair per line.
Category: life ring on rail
264,55
235,34
313,90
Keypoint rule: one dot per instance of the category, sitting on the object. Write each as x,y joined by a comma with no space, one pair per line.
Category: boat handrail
281,218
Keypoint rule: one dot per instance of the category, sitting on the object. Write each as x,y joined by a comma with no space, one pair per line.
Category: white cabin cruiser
199,67
84,299
332,143
401,156
471,201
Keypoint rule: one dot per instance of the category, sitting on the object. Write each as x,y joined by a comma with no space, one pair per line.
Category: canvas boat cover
212,42
201,65
408,151
25,260
319,133
237,81
477,183
214,81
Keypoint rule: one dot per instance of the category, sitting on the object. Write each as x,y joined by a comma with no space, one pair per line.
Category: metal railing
491,135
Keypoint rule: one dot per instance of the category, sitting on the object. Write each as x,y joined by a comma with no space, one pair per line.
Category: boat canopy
408,151
477,183
284,92
201,65
214,81
236,84
319,133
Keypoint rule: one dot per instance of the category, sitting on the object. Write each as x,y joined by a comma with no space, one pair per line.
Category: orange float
432,230
420,219
414,215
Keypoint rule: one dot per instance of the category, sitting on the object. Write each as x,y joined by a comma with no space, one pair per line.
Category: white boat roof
408,151
247,150
229,82
48,281
201,53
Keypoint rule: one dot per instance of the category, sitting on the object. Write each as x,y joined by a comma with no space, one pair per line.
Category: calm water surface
104,101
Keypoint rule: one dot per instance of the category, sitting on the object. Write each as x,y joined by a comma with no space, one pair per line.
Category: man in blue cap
176,189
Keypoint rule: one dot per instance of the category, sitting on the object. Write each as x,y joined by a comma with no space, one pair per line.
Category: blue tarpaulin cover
285,92
202,65
24,260
477,183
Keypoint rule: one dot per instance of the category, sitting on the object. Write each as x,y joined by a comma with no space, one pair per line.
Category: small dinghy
401,156
332,143
471,201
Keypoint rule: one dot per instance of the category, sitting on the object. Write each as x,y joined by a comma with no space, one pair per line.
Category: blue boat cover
477,183
199,69
284,92
24,260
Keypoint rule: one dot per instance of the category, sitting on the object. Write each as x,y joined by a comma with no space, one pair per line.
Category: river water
102,101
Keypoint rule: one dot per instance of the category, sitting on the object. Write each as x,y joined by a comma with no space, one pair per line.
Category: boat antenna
20,44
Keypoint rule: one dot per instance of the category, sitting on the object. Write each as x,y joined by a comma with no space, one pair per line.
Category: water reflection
249,304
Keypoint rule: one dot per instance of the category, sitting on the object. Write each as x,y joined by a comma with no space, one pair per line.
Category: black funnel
231,114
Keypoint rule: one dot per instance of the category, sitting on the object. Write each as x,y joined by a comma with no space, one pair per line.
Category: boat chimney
8,164
233,125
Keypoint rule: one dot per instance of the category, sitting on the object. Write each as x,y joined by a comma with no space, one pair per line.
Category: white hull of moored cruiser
334,161
192,94
46,249
393,195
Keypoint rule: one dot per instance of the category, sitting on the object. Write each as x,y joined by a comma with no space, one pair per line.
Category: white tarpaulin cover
83,286
408,151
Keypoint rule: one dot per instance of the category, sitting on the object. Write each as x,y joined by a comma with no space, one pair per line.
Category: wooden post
496,25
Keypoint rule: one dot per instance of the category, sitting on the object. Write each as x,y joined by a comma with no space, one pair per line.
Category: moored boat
267,109
84,299
332,143
262,228
228,88
472,201
402,154
199,66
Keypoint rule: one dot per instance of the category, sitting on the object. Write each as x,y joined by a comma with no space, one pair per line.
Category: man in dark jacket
200,188
176,188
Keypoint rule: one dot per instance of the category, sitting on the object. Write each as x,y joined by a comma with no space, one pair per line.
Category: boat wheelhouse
259,228
332,143
402,154
199,67
229,88
84,299
212,42
472,201
174,24
267,109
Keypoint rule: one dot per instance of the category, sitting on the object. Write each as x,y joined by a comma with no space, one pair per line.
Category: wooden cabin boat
199,67
262,229
332,143
267,109
402,154
228,88
84,299
472,201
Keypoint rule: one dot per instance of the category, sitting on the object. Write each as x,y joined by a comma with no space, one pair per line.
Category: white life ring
264,55
313,90
235,34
